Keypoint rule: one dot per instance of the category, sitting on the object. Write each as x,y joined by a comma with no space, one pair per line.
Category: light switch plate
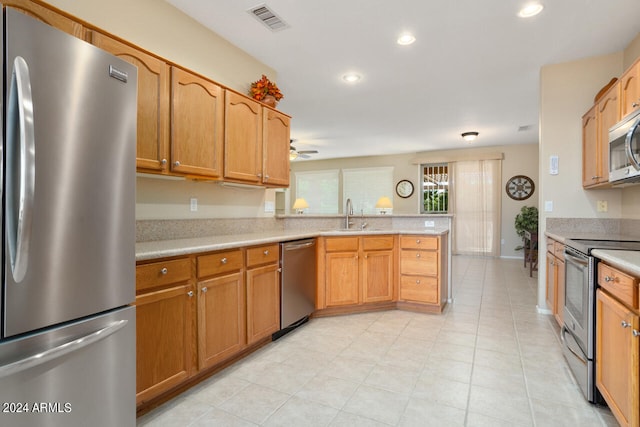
269,206
193,204
548,205
602,206
553,165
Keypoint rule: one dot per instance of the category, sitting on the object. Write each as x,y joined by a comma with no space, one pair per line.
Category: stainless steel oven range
579,311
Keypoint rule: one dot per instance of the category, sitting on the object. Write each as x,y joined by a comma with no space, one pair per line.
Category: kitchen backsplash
628,227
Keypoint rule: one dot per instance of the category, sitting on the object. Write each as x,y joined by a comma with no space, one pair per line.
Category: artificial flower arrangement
263,87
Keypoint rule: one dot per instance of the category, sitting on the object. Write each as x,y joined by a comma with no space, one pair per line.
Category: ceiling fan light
293,155
352,77
406,39
469,136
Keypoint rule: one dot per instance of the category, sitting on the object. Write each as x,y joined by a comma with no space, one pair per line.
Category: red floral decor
262,88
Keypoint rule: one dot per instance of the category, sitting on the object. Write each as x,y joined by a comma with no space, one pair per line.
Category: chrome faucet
348,210
363,223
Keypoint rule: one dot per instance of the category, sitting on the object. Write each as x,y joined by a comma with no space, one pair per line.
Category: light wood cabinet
242,139
263,292
276,142
165,316
47,16
555,282
595,138
152,147
358,270
630,90
197,114
221,307
617,355
423,270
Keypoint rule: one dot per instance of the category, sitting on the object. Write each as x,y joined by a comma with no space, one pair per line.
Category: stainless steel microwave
624,150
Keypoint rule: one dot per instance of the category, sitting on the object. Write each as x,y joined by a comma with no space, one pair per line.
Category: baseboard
543,310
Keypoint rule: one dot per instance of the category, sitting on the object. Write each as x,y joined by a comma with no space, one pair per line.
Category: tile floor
489,360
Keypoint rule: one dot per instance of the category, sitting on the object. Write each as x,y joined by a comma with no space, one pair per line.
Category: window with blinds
435,188
319,189
365,186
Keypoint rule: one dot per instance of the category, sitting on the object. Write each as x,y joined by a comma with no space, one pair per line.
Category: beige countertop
562,236
627,261
170,248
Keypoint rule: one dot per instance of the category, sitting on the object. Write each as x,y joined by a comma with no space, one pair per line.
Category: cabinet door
590,148
560,290
630,90
424,263
377,276
617,359
550,293
152,149
221,319
422,289
47,16
164,340
342,279
263,302
276,141
608,114
196,125
242,138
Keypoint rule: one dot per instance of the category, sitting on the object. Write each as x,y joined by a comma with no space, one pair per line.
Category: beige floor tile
392,378
346,419
475,419
300,412
330,391
218,417
216,389
442,391
179,412
500,404
447,368
349,368
503,378
381,405
554,414
255,403
426,413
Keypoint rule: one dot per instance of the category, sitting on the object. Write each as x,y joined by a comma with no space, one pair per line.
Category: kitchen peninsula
205,302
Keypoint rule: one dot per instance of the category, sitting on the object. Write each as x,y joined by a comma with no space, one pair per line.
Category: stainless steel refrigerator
67,344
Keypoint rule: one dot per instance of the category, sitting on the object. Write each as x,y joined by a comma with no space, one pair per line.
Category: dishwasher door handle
295,247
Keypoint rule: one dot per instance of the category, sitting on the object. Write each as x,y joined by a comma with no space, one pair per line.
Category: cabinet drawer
377,243
419,262
221,262
419,288
620,285
262,255
162,273
419,242
341,244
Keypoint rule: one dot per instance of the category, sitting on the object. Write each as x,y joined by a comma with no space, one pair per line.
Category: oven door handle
568,347
575,259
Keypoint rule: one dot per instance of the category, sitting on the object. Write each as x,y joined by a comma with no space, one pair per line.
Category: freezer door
70,177
82,374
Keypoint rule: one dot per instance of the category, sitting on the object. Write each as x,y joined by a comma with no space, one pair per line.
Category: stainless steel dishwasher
297,283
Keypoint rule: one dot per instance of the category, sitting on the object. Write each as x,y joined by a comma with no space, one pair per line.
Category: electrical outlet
548,205
602,206
194,204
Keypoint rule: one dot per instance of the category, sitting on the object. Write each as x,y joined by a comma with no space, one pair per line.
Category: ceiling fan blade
308,152
304,156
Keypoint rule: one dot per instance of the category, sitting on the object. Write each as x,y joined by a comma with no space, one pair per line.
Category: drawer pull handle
417,255
635,104
190,294
625,324
164,271
223,260
418,282
266,252
204,290
636,333
609,279
418,241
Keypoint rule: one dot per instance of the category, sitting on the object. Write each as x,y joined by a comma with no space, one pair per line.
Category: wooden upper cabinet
152,152
630,90
276,142
197,120
608,114
47,16
590,148
242,139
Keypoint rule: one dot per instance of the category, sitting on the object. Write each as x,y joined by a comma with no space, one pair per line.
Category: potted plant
526,220
266,91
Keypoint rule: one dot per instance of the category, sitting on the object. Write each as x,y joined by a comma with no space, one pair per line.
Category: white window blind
364,186
319,189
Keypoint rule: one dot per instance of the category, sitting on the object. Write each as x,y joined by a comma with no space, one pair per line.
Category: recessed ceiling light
469,136
352,77
406,39
531,9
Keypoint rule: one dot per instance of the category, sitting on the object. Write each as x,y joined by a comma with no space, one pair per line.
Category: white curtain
476,207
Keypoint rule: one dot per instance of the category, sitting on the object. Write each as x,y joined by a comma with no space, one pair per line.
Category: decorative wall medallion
520,187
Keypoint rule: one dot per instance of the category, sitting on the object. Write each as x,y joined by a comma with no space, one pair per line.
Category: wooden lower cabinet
358,270
263,302
423,270
221,316
164,340
554,283
617,355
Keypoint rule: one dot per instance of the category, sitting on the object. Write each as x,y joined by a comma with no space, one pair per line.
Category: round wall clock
520,187
404,188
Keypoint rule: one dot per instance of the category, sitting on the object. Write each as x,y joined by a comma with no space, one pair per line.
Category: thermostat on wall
553,165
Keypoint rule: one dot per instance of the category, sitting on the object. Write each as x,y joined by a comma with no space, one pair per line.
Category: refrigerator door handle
19,202
61,350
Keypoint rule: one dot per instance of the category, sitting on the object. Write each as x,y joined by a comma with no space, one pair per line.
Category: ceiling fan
303,154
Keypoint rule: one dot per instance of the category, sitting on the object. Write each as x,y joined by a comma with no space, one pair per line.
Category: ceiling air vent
268,17
525,128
